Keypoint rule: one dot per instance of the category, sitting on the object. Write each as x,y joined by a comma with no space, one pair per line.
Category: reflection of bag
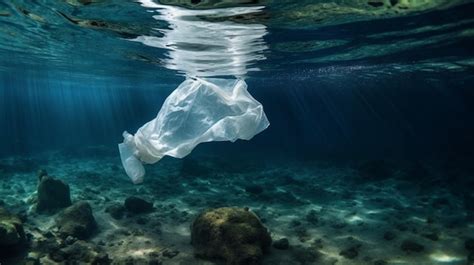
199,110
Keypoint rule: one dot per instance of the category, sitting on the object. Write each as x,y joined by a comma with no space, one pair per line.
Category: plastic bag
199,110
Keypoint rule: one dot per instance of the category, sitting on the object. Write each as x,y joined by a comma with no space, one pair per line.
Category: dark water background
397,87
402,115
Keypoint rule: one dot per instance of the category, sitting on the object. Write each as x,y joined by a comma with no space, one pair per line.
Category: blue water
363,101
346,114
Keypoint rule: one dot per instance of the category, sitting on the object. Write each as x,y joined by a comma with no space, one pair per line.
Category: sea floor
372,212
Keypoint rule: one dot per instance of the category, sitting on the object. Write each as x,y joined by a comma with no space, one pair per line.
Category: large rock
77,221
235,235
53,194
138,205
12,235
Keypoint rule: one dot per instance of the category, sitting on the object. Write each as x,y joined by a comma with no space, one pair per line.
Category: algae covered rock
77,221
80,252
12,235
53,194
235,235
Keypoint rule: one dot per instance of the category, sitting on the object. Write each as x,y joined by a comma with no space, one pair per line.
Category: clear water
352,89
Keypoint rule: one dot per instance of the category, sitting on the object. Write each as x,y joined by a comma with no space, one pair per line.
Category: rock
312,217
170,253
394,2
31,261
70,240
43,245
138,205
12,235
142,220
411,246
305,255
42,173
140,260
281,244
375,3
53,194
350,252
338,225
302,233
432,236
77,221
116,211
254,189
469,244
235,235
79,253
318,243
439,203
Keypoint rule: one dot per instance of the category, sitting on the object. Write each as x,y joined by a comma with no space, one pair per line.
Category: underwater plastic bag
199,110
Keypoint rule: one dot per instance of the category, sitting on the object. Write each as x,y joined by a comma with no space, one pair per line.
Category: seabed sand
323,208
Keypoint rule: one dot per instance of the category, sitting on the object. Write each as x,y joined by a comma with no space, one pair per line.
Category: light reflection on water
204,43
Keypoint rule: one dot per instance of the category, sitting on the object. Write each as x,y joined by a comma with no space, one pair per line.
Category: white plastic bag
199,110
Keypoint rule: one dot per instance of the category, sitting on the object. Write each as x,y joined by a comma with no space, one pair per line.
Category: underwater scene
235,132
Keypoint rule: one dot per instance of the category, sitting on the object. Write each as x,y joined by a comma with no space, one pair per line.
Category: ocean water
368,158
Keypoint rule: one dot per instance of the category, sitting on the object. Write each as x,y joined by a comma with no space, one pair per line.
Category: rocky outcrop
77,221
53,195
235,235
12,235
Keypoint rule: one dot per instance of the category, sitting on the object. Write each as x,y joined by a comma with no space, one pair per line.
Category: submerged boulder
138,205
77,221
12,235
235,235
53,194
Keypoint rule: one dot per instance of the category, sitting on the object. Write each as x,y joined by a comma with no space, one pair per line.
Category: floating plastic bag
198,111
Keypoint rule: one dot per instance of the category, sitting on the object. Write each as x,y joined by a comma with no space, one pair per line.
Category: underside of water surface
347,137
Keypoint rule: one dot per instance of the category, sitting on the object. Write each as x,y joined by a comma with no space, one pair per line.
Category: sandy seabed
331,212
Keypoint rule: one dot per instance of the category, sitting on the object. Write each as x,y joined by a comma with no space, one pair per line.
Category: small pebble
411,246
350,253
170,253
